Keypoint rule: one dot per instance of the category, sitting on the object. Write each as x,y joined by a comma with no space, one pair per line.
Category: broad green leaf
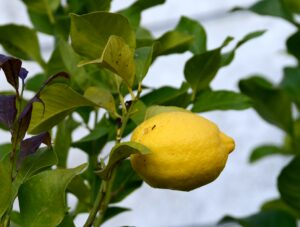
275,8
42,6
155,110
173,42
41,22
5,149
291,83
292,5
289,183
90,32
168,96
5,184
67,221
220,100
293,45
42,158
272,104
102,97
79,188
125,182
279,204
59,100
113,211
264,151
42,198
138,111
63,140
133,12
118,58
82,7
228,57
120,152
201,69
143,60
194,28
270,218
21,41
15,219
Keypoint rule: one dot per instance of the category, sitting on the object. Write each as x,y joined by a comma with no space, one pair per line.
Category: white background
241,188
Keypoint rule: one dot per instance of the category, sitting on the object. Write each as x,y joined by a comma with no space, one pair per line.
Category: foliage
100,59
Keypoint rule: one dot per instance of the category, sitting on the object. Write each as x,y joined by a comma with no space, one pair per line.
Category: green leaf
59,100
78,187
90,32
5,184
42,198
143,60
264,151
291,83
272,218
168,96
279,204
34,83
120,152
42,158
118,58
42,6
201,69
194,28
5,149
133,12
289,183
173,42
293,45
102,97
272,104
21,41
113,211
63,140
67,221
125,182
82,7
274,8
138,111
155,110
220,100
228,57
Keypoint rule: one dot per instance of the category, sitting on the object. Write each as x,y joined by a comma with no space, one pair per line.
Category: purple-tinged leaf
8,110
11,67
23,73
30,145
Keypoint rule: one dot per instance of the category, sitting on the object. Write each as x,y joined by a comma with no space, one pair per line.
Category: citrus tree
96,70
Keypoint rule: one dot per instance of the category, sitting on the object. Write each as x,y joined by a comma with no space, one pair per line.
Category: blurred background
242,187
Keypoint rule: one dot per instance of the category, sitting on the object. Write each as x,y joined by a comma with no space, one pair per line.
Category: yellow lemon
187,151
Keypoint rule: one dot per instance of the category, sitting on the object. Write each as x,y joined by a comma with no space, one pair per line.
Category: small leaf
291,83
289,183
272,218
228,57
220,100
30,146
125,182
155,110
192,27
5,184
143,60
113,211
264,151
59,101
120,152
63,140
272,104
8,110
173,42
102,97
11,68
42,6
118,58
21,41
42,198
90,32
138,111
201,69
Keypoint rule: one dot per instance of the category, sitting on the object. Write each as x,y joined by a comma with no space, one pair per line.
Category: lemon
187,151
